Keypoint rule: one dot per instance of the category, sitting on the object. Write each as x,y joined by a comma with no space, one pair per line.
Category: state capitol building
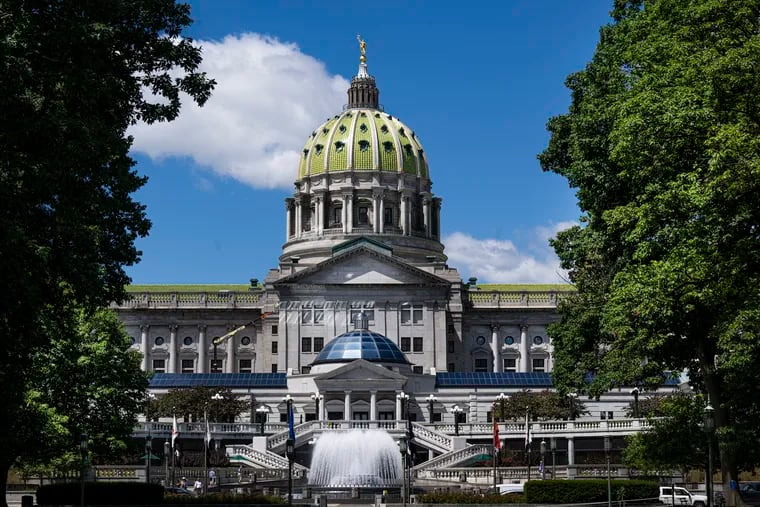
363,323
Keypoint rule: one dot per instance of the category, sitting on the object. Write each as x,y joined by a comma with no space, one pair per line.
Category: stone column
381,212
145,347
299,219
524,349
288,215
350,217
344,215
426,213
402,220
376,211
498,365
202,350
173,348
373,405
230,349
571,451
398,408
347,406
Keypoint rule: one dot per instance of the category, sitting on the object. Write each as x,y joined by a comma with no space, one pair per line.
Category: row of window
509,364
189,340
410,315
188,366
510,340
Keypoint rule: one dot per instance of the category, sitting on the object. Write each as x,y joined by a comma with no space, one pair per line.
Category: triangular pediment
360,369
363,265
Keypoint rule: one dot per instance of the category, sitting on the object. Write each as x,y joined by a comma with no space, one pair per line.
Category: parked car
750,492
681,497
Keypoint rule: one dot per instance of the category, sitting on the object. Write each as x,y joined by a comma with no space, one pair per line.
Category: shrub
587,490
100,493
462,497
223,498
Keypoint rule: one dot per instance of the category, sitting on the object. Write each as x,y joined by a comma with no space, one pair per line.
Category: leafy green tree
88,381
662,143
675,441
72,80
540,405
191,403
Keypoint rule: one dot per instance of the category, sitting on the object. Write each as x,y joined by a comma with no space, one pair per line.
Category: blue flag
291,430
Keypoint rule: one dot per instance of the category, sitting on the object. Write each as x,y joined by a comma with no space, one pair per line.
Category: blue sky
476,81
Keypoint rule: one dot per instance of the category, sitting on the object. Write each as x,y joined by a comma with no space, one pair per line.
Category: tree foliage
191,404
539,405
73,77
662,143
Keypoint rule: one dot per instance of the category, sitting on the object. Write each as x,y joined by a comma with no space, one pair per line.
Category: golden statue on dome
362,48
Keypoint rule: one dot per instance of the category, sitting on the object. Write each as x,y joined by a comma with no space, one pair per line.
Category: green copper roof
363,140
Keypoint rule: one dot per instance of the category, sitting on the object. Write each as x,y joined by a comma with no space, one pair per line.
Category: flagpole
205,454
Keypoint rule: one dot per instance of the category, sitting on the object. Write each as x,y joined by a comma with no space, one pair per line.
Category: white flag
175,430
528,436
208,430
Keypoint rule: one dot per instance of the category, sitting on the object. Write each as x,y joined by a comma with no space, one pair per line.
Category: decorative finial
362,48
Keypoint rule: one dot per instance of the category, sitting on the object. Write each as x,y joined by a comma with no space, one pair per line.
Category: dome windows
325,131
339,145
384,129
363,145
305,153
342,129
408,149
318,149
402,132
388,146
362,128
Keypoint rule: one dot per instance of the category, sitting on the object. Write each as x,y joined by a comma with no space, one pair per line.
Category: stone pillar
288,215
173,348
402,220
347,406
571,451
230,348
350,217
299,219
381,212
376,211
344,215
145,347
426,214
322,410
398,408
498,365
202,350
524,349
373,405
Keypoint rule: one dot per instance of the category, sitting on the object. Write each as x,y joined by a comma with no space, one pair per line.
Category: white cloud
268,98
500,261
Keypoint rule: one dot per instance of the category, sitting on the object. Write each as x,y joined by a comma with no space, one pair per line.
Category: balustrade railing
506,299
219,299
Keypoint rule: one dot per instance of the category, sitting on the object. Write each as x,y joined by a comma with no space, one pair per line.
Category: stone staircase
248,456
452,458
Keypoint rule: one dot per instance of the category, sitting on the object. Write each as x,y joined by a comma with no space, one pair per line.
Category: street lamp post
317,399
528,437
553,443
261,415
571,398
709,427
502,398
403,450
456,410
290,450
85,462
607,449
431,399
543,459
148,456
217,397
167,457
635,393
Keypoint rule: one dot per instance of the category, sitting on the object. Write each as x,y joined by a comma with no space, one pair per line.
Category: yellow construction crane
221,339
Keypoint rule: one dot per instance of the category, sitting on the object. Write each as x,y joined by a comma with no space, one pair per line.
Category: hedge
587,490
100,493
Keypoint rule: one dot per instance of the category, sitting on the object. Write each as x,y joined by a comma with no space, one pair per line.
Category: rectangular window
305,370
406,315
362,215
368,314
274,367
602,415
274,329
436,417
417,369
319,316
337,215
510,364
305,344
188,366
319,343
417,314
388,216
275,347
450,347
216,366
159,365
306,316
609,415
481,365
417,344
245,366
538,364
452,367
406,344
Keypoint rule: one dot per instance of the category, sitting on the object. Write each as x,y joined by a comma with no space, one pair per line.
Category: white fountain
355,459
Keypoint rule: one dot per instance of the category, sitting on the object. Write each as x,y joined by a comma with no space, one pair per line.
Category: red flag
496,440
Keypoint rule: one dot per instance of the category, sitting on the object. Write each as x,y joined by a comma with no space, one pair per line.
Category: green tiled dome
363,140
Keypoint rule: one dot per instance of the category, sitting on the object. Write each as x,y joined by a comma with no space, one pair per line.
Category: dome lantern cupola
363,92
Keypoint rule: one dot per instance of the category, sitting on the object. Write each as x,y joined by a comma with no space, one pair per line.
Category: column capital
144,328
173,328
495,327
202,328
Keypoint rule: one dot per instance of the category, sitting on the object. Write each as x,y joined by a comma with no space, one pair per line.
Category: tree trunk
5,466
